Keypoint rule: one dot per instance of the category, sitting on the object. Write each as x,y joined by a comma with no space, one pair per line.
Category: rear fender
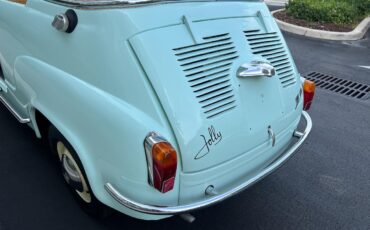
106,132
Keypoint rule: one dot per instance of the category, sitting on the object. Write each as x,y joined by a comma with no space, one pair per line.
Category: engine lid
214,114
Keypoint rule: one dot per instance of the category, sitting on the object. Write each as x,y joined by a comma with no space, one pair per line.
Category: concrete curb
356,34
276,2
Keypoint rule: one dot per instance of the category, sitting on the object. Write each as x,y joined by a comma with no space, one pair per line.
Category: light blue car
154,108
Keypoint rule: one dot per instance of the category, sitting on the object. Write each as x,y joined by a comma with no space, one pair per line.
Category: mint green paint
115,78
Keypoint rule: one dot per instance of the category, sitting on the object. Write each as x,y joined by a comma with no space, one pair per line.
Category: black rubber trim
73,20
1,73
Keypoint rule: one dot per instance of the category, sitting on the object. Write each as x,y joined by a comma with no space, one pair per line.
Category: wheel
75,176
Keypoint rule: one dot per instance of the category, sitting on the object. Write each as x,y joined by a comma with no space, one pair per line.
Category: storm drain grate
339,85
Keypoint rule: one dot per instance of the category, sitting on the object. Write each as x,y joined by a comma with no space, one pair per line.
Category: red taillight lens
308,92
162,162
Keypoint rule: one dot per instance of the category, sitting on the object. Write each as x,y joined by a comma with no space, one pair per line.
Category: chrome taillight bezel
150,140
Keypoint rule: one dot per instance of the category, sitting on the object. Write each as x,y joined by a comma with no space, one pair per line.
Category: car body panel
259,102
100,146
104,88
42,84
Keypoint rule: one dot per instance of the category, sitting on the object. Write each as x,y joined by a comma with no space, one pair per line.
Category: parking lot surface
324,186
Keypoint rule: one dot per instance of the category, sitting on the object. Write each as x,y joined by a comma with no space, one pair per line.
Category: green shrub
332,11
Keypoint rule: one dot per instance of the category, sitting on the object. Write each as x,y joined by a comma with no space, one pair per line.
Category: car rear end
231,129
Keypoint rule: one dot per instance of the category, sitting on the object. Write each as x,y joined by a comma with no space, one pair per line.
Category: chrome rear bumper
172,210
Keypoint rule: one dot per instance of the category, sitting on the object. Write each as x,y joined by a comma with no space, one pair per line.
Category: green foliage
331,11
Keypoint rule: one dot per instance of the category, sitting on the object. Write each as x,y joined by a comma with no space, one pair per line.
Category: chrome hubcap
72,173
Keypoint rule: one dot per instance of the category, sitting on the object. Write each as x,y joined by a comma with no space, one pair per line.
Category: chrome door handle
256,69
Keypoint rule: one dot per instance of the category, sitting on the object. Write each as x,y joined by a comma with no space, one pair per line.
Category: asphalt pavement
326,185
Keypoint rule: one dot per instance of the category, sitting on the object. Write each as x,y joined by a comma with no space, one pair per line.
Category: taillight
308,92
162,162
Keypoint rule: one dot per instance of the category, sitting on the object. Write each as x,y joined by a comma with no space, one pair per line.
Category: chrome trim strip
14,112
272,135
159,210
104,4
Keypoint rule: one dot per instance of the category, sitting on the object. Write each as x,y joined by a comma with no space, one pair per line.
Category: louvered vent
269,46
207,68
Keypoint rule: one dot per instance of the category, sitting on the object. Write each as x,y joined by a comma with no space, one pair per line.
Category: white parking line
363,66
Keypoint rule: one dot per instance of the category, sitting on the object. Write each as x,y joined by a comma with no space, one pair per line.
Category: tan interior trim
19,1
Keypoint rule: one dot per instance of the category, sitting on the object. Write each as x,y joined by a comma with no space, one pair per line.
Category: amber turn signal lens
309,88
164,154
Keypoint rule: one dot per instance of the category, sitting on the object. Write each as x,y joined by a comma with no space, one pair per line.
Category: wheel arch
40,123
42,120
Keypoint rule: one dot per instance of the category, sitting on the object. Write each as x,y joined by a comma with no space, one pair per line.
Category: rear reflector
309,92
162,162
